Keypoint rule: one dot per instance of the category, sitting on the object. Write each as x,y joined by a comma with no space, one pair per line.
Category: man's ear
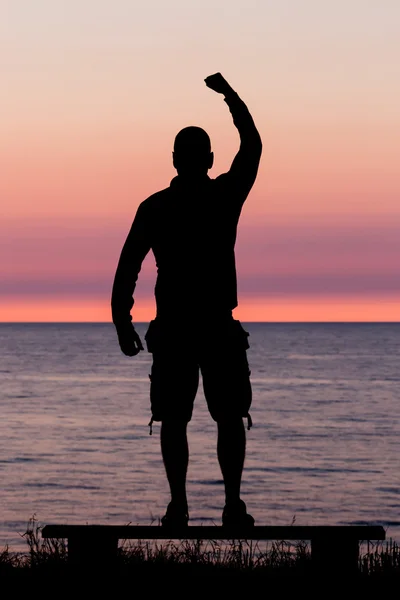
210,160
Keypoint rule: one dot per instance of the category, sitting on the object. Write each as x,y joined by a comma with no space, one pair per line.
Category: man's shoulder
230,190
154,200
224,182
221,179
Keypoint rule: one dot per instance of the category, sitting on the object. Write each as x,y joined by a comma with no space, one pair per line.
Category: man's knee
230,422
174,423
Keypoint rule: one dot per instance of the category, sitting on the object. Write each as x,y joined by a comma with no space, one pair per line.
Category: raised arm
245,164
136,246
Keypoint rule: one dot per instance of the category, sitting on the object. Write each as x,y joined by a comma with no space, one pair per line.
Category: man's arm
245,164
136,246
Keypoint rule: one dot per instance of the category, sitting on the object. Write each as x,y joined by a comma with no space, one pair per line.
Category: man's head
192,152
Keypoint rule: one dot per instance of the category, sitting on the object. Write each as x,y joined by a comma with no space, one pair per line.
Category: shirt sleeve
244,168
136,246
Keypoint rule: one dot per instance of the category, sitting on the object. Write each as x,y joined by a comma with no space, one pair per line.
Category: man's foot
236,515
176,516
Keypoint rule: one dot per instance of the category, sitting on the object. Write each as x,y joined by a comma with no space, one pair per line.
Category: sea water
75,445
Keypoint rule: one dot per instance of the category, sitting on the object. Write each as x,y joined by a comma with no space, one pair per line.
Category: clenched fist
218,83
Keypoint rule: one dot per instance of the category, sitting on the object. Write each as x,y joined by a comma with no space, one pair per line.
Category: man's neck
190,179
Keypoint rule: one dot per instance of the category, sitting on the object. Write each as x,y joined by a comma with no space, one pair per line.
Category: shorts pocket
241,335
152,337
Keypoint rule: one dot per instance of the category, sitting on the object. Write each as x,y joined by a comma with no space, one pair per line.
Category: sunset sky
93,93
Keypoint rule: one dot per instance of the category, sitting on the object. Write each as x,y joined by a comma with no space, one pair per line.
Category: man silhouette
191,229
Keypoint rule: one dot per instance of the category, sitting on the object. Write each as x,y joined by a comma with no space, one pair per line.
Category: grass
198,559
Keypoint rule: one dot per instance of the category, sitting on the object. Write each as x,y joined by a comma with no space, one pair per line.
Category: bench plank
210,532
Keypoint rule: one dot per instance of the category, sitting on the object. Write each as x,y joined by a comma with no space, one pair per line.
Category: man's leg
175,453
174,383
231,448
227,387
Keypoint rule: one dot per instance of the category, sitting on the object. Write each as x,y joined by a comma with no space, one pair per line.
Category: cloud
79,258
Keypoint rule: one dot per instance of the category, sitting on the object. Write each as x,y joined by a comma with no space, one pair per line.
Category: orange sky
91,109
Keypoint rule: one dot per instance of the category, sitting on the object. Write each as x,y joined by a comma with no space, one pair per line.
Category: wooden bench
332,546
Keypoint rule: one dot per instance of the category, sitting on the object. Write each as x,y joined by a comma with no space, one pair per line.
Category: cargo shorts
217,350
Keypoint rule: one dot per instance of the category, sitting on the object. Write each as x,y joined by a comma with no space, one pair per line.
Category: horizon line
241,320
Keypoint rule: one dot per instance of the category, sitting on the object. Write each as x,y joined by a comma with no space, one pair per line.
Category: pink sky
94,95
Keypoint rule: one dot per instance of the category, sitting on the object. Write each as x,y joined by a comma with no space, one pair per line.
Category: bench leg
335,557
92,551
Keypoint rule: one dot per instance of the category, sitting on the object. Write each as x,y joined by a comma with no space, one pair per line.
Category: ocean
75,444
